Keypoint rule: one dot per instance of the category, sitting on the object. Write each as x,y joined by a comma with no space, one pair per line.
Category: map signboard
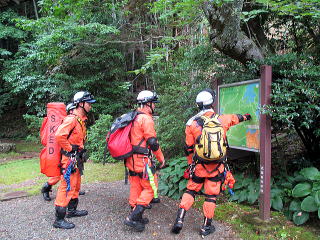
241,98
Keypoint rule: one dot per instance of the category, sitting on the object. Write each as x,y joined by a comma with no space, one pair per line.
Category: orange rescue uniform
75,125
141,192
53,180
203,172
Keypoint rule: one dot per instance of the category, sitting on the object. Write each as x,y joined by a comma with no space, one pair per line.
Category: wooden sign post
265,143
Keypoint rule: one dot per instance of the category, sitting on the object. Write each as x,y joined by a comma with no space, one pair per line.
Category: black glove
75,148
247,116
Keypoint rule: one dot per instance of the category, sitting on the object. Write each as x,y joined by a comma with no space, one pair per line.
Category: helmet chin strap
150,106
83,108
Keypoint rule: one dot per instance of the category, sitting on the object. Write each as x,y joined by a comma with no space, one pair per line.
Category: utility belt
79,158
141,174
197,159
218,178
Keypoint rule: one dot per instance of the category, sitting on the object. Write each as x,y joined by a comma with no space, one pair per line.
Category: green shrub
33,124
298,196
97,138
172,183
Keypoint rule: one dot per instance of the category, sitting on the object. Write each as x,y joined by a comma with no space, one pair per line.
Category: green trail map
241,98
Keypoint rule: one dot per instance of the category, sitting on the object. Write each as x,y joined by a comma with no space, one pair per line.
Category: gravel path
32,218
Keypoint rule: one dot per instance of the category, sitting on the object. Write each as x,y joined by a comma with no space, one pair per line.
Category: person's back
205,173
141,169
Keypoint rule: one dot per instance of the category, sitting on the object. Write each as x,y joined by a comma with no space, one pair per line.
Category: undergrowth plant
96,142
172,183
298,196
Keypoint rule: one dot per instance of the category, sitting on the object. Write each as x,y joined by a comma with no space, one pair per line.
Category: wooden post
265,143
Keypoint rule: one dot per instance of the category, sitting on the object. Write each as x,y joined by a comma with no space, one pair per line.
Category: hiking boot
72,209
60,222
177,226
46,188
143,220
135,219
206,228
155,200
149,206
82,192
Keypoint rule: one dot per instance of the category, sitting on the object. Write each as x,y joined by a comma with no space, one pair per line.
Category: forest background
51,49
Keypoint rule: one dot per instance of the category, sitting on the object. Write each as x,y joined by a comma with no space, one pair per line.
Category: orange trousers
63,197
141,192
210,188
53,180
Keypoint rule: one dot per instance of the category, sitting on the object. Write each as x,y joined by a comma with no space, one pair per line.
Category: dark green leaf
183,184
295,206
277,203
300,217
301,190
253,196
317,198
309,205
310,173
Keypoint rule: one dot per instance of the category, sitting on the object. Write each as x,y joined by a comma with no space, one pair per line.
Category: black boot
72,209
135,219
155,200
45,191
177,226
143,220
206,228
60,222
149,206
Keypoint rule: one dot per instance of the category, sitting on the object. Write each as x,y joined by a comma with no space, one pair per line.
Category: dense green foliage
33,123
172,183
96,142
296,98
298,195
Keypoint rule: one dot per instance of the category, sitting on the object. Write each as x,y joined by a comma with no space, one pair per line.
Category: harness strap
217,178
197,179
210,200
215,169
191,192
188,149
140,150
134,174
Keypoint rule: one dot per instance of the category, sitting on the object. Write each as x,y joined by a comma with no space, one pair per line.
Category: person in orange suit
141,170
46,188
209,176
71,136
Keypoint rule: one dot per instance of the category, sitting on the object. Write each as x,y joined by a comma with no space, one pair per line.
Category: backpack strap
215,169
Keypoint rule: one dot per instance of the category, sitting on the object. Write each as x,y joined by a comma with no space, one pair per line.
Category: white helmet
70,106
204,98
83,96
146,96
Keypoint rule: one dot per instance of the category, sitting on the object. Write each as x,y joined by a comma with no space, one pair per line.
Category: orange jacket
194,130
76,124
143,128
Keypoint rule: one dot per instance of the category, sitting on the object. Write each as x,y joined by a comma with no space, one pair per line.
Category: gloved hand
229,181
75,148
62,171
186,173
163,163
247,117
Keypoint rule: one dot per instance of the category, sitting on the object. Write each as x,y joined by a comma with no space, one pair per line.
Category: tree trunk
226,34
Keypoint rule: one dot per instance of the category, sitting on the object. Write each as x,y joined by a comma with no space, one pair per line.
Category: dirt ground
32,218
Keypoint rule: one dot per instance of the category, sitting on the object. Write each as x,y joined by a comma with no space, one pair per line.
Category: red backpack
118,139
50,155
